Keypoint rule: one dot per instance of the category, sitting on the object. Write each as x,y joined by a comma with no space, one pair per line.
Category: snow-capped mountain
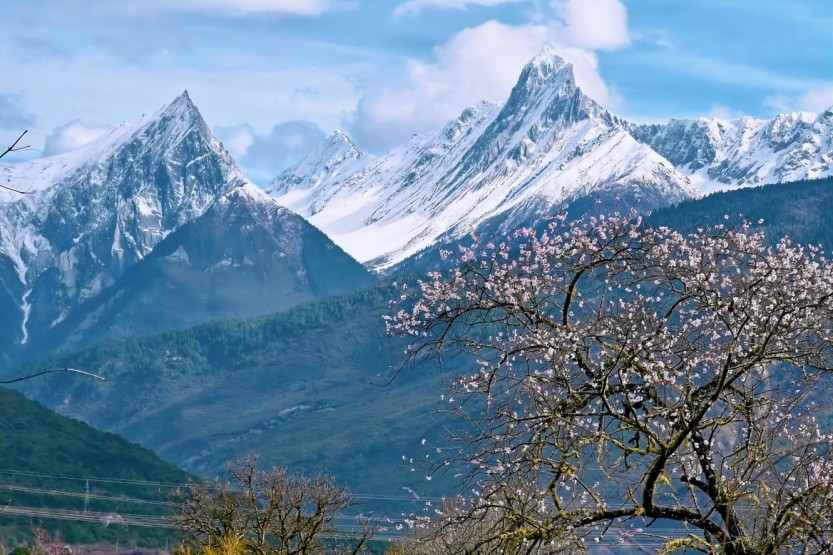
334,159
720,154
548,146
244,255
96,213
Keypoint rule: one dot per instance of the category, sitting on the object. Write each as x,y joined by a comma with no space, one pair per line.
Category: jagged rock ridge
546,147
721,154
97,213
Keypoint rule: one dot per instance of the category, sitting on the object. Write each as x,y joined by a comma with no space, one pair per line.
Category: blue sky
272,77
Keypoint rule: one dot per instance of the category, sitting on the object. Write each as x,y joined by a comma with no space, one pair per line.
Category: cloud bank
817,99
12,115
297,7
263,157
483,63
414,7
71,136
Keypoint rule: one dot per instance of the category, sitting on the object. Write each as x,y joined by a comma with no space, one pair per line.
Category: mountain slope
303,388
47,452
103,210
548,146
96,214
721,154
245,256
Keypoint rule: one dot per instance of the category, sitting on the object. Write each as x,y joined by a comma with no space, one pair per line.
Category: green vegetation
800,210
43,451
305,389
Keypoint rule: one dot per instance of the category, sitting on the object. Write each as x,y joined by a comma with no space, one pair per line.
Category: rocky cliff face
95,214
724,154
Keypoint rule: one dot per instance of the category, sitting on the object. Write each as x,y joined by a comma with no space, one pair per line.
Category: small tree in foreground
263,512
637,385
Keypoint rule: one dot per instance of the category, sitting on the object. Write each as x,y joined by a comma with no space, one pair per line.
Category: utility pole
87,497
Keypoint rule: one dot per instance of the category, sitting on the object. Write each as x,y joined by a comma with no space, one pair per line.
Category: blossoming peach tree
635,385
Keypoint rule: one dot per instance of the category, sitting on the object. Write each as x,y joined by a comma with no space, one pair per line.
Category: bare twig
52,370
15,148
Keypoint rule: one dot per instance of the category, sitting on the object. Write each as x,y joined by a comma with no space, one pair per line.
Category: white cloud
480,63
243,7
12,115
299,7
593,24
71,136
414,7
816,99
263,157
723,112
236,140
483,63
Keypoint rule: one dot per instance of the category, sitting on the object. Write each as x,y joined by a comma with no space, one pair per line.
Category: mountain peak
544,96
545,68
170,125
340,140
180,108
334,155
546,80
547,58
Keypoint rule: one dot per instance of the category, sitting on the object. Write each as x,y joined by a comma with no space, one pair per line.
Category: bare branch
53,370
15,148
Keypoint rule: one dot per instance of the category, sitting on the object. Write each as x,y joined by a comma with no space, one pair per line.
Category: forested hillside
307,388
802,210
48,461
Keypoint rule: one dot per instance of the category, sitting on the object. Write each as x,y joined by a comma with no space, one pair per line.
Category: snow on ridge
336,155
546,62
722,154
547,143
39,175
74,221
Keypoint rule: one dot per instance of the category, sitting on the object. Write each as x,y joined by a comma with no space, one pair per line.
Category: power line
86,495
92,479
343,526
149,521
173,485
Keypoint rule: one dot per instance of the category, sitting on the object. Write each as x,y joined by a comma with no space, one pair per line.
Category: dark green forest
308,388
802,210
47,461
